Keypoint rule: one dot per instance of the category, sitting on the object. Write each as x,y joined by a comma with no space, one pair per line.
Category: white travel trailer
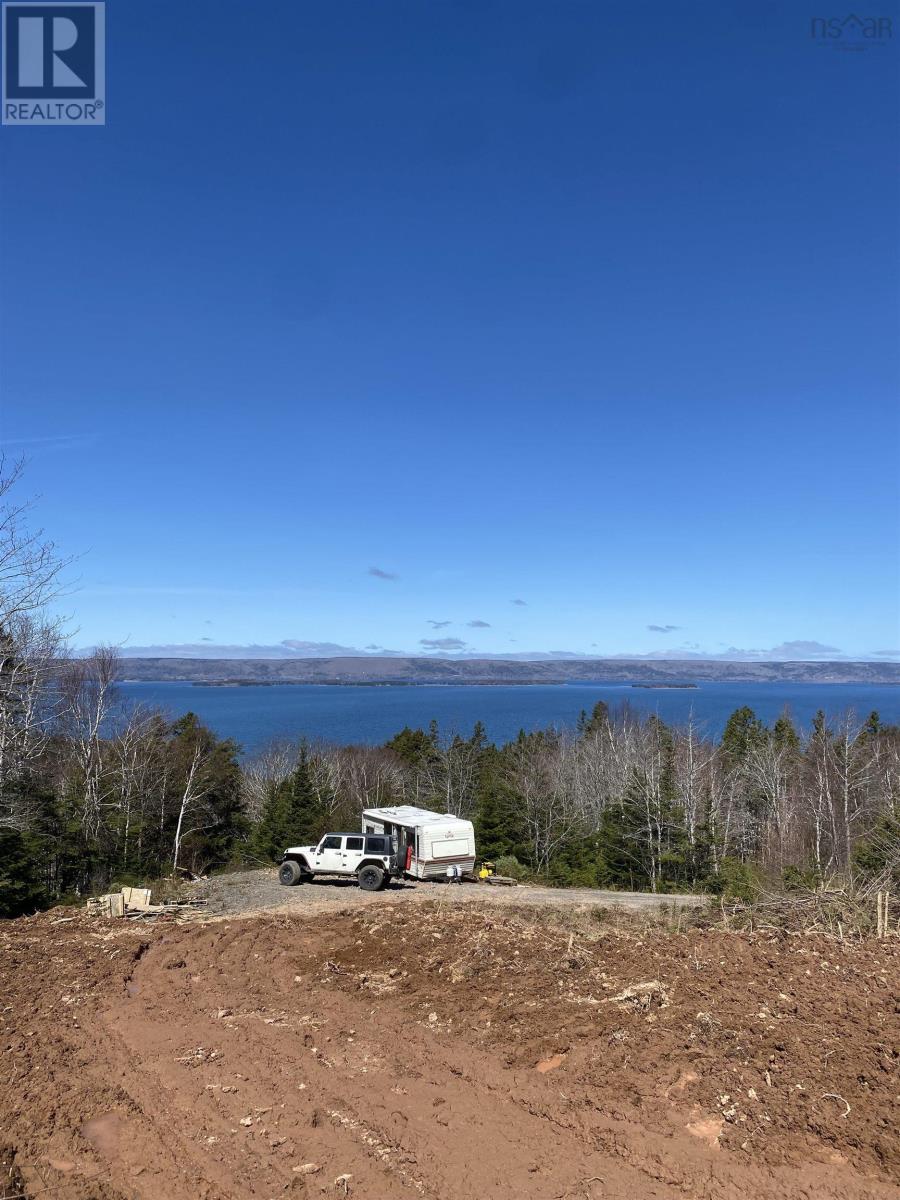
428,843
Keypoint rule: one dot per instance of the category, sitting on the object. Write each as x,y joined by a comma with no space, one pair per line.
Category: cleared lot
395,1049
260,891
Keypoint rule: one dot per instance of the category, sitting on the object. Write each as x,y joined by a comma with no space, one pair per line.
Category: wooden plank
136,897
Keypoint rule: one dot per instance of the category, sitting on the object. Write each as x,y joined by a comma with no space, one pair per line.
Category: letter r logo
49,51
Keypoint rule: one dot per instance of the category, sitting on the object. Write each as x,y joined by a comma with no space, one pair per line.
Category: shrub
20,885
737,881
800,879
878,855
508,864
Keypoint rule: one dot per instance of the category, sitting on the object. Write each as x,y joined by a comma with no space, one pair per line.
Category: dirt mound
395,1050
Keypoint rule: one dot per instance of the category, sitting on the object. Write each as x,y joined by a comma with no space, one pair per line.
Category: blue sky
588,306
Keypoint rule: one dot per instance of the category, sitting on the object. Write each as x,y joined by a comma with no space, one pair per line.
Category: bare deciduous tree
29,704
30,565
87,688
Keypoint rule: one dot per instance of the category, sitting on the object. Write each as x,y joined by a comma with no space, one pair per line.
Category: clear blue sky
585,305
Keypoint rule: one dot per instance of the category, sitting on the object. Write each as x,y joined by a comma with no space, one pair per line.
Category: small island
665,686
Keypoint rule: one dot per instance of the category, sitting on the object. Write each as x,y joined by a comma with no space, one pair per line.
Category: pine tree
20,885
479,739
743,732
499,827
216,822
873,724
597,720
784,734
293,815
415,746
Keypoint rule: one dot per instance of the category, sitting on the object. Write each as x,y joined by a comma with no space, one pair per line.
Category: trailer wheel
370,878
289,873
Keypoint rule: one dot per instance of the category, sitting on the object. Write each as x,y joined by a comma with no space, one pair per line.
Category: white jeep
368,856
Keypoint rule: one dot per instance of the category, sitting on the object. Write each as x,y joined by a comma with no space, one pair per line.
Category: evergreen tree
21,888
784,734
597,720
877,856
213,837
873,724
415,746
743,732
293,815
479,739
499,825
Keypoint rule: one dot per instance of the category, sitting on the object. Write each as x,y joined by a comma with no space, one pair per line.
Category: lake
254,715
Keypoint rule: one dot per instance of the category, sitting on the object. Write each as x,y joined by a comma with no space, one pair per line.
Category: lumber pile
112,905
502,881
135,904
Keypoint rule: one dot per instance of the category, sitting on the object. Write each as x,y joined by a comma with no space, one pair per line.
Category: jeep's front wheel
370,878
289,873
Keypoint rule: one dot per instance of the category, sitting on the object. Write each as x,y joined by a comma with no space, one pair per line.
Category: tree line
93,792
624,800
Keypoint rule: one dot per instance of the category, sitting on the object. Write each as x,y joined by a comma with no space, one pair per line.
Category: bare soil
388,1049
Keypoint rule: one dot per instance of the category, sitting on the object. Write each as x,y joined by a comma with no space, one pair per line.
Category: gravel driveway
260,891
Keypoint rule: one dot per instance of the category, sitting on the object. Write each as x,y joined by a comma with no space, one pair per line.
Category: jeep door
352,853
329,855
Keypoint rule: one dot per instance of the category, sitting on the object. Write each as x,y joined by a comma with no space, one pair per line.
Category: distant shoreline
665,686
402,683
635,681
376,671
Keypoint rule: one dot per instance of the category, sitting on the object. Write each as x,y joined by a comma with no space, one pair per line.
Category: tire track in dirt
409,1109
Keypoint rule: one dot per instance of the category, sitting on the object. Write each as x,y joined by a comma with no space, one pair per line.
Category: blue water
254,715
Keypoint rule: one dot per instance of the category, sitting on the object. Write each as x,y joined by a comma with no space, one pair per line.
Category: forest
94,792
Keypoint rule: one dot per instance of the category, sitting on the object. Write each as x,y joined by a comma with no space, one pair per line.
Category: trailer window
354,843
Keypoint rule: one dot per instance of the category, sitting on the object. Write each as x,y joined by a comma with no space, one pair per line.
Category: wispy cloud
479,624
58,440
663,628
289,648
886,653
102,588
202,649
803,649
378,573
447,643
800,650
520,603
315,649
438,624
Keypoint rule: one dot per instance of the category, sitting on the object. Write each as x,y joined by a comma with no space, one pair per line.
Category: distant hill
490,670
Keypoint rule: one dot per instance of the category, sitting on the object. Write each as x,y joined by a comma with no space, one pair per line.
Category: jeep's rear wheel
370,878
290,873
